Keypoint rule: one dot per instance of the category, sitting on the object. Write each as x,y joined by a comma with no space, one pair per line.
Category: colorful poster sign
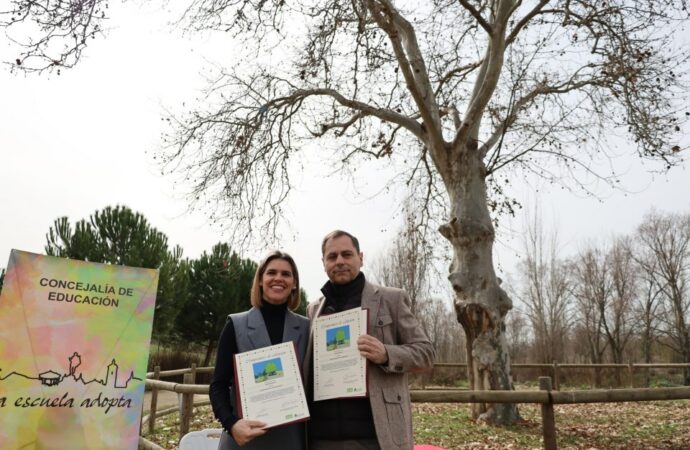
74,345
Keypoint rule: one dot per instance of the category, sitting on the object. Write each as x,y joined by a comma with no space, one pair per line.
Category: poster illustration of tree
74,345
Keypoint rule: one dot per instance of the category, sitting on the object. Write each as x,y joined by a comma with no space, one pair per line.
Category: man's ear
361,257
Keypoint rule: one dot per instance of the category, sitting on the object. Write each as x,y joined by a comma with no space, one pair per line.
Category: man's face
341,260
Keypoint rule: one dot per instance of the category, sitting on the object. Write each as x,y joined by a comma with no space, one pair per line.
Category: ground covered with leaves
631,426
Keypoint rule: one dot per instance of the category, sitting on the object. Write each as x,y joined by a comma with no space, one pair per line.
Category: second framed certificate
339,369
269,385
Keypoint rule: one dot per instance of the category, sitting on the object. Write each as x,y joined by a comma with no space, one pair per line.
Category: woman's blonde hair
257,294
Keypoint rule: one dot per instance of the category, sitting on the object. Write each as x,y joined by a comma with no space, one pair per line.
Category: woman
275,294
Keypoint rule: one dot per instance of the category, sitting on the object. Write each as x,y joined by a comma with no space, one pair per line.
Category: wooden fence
547,396
555,369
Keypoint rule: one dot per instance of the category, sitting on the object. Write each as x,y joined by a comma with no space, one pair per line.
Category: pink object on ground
427,447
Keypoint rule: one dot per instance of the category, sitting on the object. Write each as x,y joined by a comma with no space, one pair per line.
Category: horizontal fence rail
555,368
579,365
555,397
547,396
176,372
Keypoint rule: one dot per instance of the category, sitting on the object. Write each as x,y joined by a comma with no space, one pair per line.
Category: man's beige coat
409,350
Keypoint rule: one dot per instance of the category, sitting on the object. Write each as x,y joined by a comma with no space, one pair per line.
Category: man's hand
245,430
372,349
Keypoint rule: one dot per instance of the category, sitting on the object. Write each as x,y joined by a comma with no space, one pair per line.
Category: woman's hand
245,430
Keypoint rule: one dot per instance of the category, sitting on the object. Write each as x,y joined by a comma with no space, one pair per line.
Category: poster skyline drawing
74,344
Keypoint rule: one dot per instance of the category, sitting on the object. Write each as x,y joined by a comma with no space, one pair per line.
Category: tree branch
539,90
477,15
524,21
384,114
414,71
487,78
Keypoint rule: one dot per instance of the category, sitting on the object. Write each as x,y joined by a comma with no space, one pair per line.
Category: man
394,346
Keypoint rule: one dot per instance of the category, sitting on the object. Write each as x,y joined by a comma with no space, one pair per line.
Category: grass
629,426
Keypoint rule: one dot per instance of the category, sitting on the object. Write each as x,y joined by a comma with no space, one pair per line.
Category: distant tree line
409,263
625,298
621,299
194,295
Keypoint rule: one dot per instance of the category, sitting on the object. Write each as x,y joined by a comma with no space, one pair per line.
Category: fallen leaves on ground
597,426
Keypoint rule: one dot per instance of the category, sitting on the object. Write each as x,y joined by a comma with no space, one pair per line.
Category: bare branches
541,89
383,114
536,86
456,72
238,156
522,23
487,79
411,61
408,262
51,33
477,15
665,243
365,71
546,291
256,17
440,71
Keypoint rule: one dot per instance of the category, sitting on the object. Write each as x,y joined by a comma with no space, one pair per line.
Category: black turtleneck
274,318
343,418
224,373
341,297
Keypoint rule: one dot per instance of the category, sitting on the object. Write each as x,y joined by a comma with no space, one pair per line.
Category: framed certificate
339,369
269,385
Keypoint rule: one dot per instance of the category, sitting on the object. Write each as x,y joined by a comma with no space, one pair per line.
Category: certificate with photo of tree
269,385
339,369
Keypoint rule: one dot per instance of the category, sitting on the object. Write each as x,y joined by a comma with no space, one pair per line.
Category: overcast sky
78,142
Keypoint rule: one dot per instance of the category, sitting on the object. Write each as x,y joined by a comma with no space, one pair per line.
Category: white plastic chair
201,440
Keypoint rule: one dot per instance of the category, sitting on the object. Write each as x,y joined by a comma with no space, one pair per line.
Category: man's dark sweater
349,418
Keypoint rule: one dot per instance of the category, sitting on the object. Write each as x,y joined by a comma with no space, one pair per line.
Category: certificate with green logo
339,369
269,385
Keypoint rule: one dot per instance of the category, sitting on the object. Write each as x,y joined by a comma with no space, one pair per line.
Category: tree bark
209,352
480,303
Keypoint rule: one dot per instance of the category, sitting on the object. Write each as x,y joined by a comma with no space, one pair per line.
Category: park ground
597,426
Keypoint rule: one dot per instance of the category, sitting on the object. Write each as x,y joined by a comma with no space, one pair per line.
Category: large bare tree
546,291
592,288
465,92
667,238
407,262
618,315
647,306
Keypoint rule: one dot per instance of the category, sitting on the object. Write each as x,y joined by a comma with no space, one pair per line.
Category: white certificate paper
269,385
339,369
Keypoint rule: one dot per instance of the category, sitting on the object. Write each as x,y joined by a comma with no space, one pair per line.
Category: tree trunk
647,351
617,359
685,332
209,352
480,304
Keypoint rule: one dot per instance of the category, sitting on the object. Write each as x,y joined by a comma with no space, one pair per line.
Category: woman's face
277,282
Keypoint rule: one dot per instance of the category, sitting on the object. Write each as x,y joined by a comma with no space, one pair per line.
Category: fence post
631,374
193,371
556,376
154,400
186,407
548,419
